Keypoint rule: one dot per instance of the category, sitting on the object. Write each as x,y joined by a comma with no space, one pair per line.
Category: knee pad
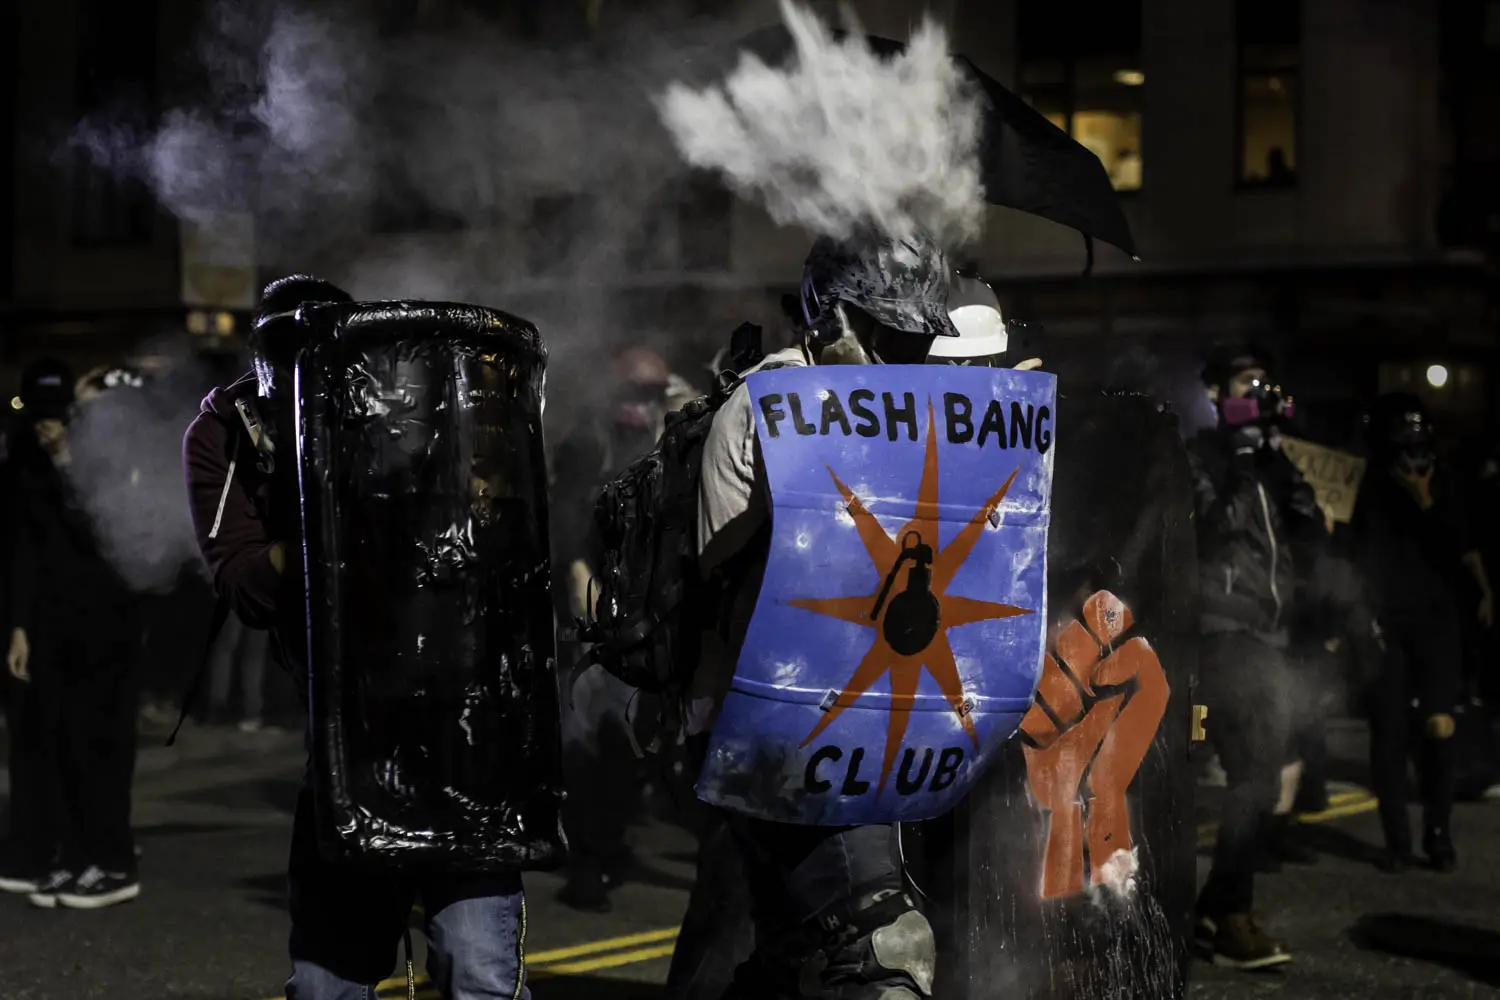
906,945
1439,726
885,950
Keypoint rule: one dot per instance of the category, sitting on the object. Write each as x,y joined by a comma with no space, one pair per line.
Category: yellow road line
605,944
553,961
605,961
1352,808
1340,804
611,953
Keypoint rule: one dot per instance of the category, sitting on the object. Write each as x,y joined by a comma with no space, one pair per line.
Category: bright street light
1437,376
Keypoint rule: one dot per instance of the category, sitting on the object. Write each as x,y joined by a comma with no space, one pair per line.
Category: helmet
275,337
47,390
901,283
975,313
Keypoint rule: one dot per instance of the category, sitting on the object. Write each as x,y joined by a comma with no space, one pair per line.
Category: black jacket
1254,513
1411,560
59,579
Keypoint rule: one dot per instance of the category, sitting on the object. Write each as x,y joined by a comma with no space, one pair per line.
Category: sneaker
46,893
251,726
14,879
1236,941
97,888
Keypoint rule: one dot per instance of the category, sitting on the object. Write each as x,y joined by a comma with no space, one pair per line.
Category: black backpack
651,604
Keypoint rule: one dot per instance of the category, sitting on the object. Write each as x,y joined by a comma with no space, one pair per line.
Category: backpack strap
216,625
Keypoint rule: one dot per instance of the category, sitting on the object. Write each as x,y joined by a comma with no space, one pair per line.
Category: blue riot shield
899,632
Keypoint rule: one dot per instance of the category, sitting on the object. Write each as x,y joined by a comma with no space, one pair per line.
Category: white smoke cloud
842,140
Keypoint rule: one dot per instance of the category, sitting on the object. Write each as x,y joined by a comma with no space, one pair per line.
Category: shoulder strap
221,615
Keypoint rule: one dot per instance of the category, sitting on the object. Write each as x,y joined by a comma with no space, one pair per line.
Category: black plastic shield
432,681
1068,873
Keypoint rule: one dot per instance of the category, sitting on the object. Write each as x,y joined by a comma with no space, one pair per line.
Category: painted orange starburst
887,553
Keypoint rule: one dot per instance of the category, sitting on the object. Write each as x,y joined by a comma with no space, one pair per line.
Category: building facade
1306,171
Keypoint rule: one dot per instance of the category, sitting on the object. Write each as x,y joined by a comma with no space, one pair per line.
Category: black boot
1437,844
1286,845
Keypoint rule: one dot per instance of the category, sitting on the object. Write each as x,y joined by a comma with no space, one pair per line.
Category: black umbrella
1026,162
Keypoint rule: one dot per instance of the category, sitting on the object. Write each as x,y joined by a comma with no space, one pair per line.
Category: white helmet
975,312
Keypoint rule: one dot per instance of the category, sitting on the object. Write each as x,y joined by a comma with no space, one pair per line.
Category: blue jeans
348,919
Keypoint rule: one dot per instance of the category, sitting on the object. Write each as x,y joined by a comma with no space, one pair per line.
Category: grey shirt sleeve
732,489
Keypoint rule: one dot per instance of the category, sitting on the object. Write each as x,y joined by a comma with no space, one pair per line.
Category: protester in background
1422,575
604,770
240,652
1249,503
75,638
28,854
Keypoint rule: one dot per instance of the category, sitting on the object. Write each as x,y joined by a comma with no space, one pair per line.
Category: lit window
1084,74
1269,58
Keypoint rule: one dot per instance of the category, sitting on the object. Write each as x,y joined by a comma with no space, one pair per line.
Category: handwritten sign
899,632
1333,475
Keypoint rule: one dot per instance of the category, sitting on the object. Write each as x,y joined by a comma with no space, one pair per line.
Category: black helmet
901,283
47,390
275,336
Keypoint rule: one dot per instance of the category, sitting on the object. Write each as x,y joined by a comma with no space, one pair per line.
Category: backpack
651,605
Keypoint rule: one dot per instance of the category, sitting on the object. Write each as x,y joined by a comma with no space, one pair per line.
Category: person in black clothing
1250,504
1421,574
74,639
604,779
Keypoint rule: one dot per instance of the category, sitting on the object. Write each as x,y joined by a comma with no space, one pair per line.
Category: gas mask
854,337
1413,455
1264,404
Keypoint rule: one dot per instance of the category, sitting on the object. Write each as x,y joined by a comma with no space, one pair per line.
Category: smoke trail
416,163
126,444
841,139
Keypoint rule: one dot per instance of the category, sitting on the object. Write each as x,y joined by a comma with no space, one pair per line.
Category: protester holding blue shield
880,528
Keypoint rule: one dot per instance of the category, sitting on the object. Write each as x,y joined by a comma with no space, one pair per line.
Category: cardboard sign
1333,475
899,632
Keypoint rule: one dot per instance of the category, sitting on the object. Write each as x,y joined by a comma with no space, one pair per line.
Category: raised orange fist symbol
1097,710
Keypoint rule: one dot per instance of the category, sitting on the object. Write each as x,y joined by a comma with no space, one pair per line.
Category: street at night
749,499
214,816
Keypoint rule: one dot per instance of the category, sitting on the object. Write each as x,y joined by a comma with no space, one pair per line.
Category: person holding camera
1252,508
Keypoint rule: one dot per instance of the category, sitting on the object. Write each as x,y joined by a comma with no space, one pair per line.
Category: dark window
116,90
704,214
1081,67
1268,35
650,247
555,229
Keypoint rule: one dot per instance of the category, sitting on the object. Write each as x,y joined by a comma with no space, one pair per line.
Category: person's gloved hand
19,656
1418,482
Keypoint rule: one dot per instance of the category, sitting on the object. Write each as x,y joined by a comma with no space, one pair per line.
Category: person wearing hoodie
74,640
347,918
1252,509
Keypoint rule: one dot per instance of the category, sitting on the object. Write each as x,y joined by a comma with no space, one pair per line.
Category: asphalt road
214,818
